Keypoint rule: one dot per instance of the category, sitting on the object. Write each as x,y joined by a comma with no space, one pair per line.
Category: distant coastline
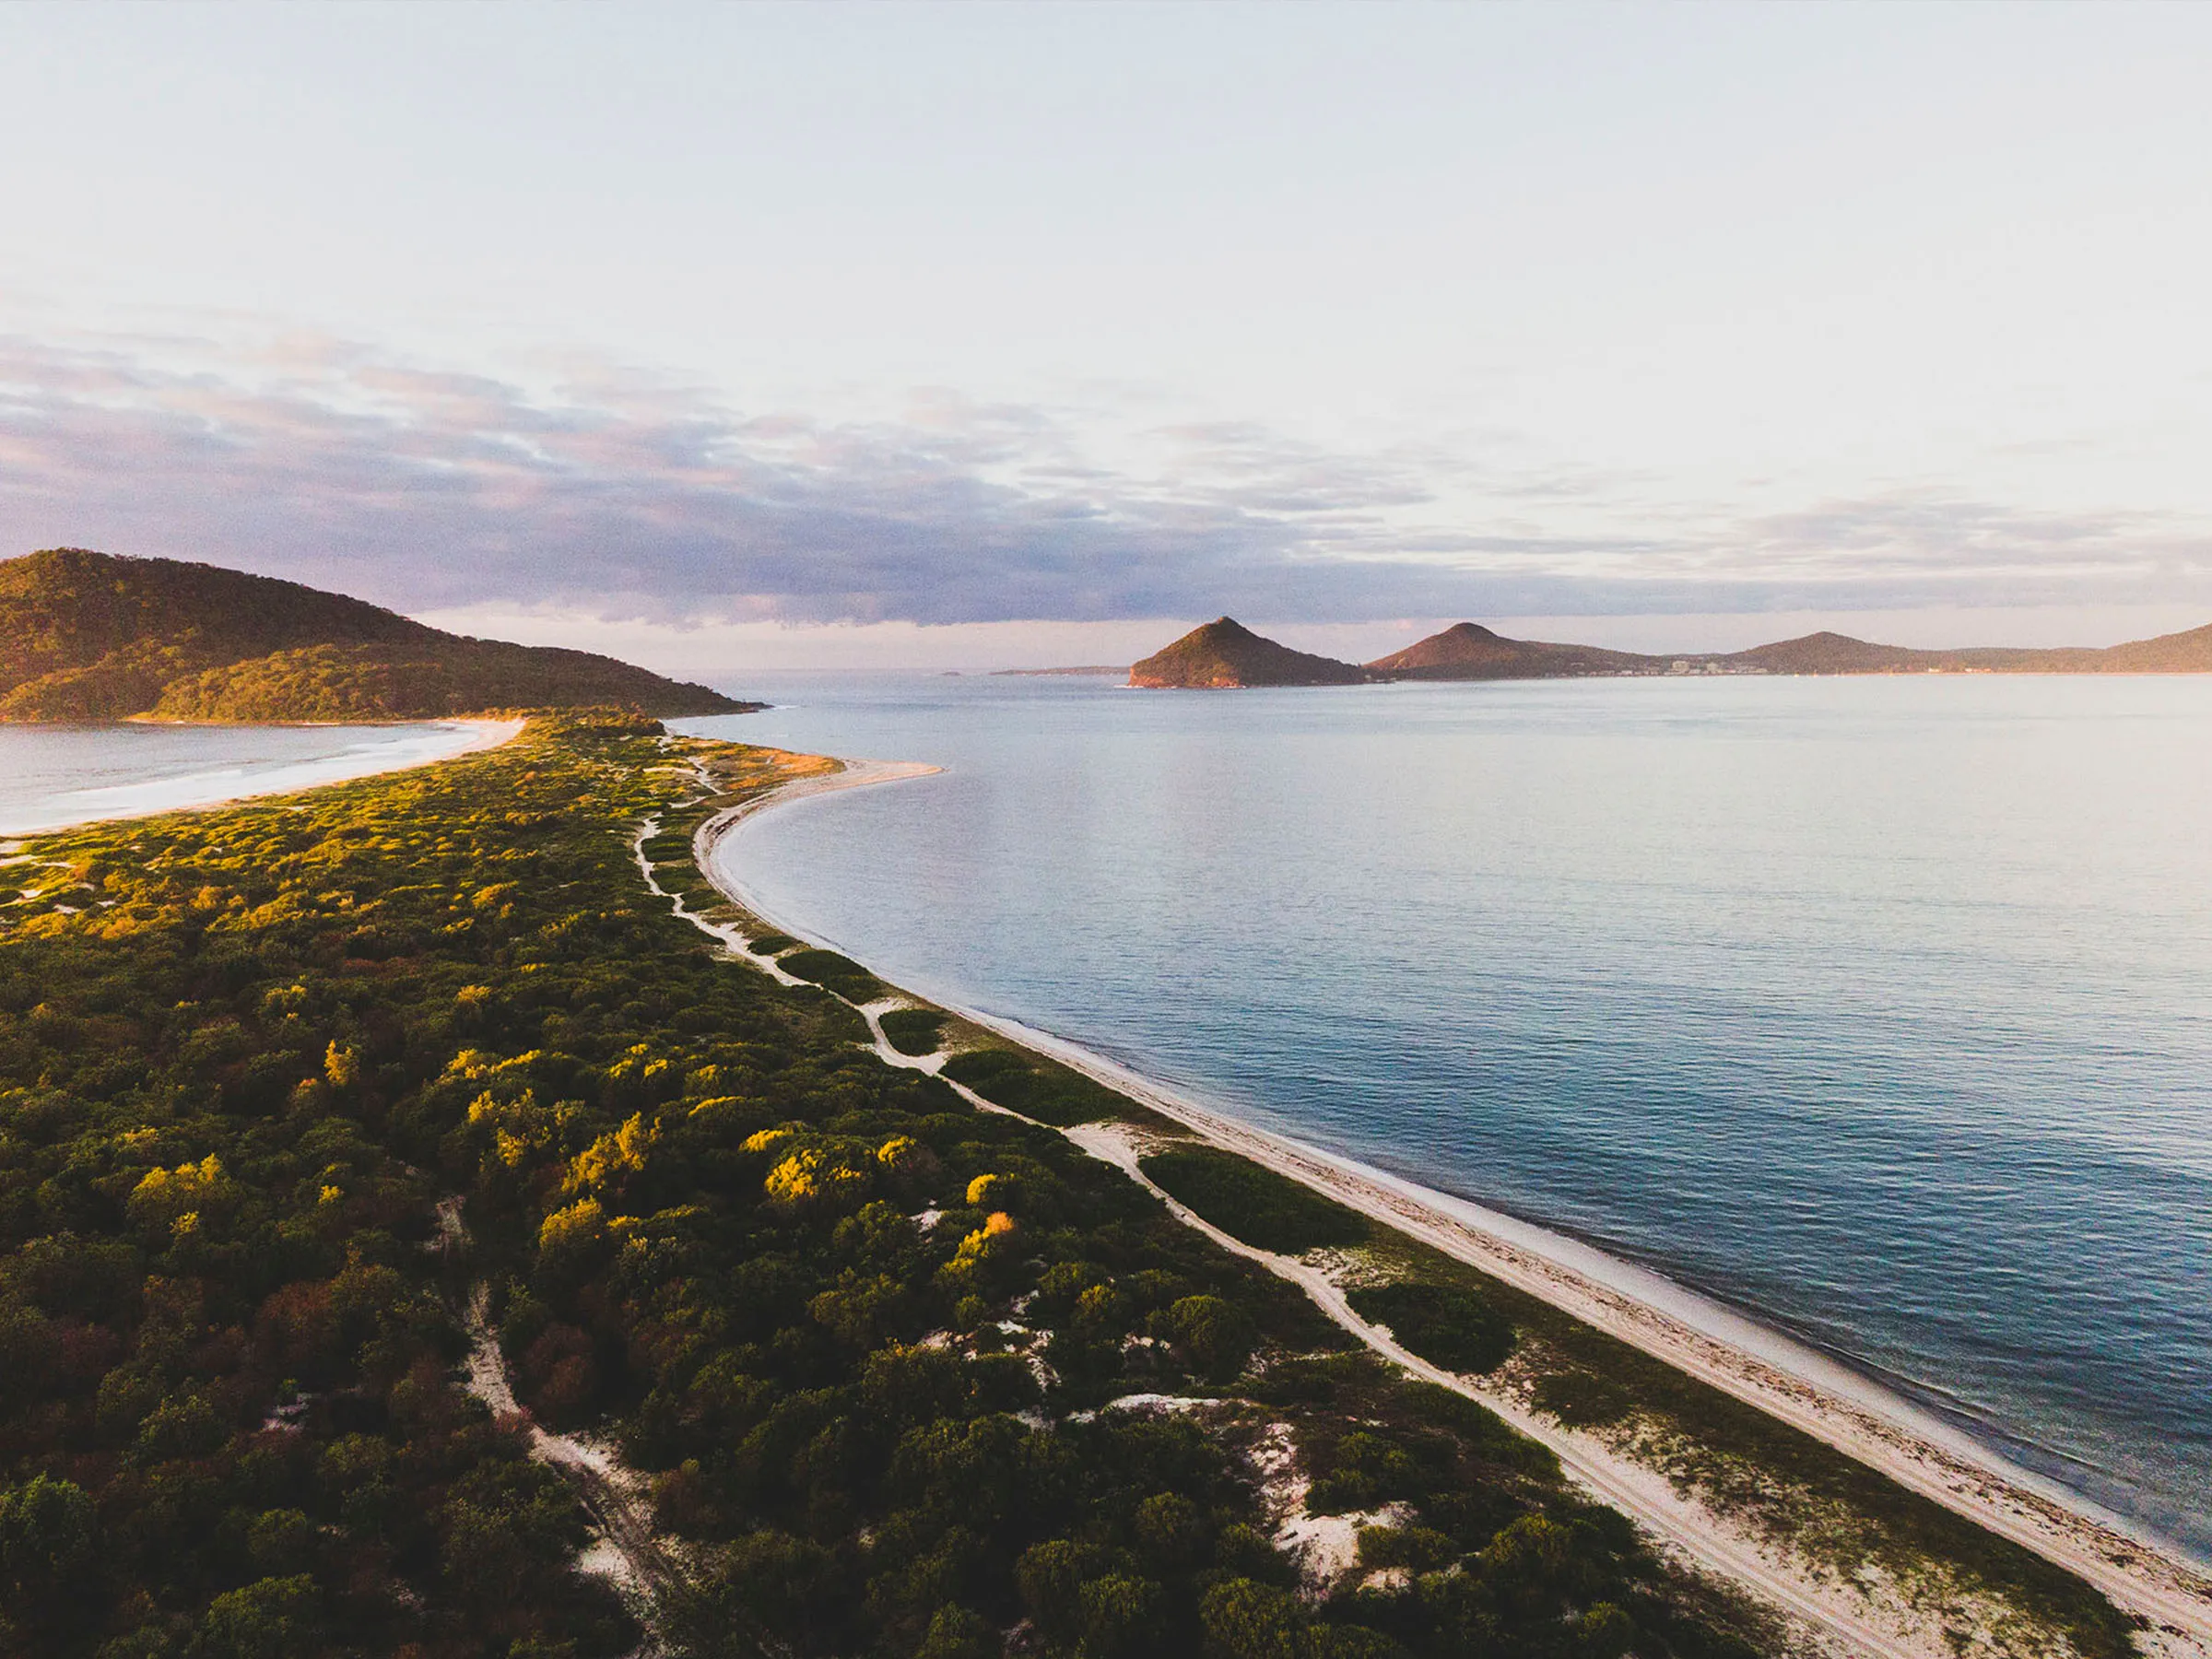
1226,656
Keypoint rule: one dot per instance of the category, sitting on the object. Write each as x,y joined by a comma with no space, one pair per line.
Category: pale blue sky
1104,317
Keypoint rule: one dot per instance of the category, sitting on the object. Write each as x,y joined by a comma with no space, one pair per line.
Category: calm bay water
1877,1007
55,775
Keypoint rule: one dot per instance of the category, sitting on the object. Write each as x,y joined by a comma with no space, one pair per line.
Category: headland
87,637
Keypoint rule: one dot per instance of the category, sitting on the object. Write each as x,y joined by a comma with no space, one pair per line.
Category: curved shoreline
289,778
1789,1381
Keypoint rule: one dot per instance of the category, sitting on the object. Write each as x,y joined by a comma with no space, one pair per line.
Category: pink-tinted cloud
426,489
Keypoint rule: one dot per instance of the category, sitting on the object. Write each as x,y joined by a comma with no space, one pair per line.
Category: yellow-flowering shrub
815,1176
581,1223
609,1159
163,1195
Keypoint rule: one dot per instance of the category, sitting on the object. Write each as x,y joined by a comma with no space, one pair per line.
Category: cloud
626,497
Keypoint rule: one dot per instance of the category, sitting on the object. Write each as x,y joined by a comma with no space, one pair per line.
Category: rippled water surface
1879,1007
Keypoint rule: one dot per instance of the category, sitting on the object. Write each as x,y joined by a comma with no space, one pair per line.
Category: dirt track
627,1552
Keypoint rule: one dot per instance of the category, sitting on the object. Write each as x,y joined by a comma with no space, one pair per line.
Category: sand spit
1759,1367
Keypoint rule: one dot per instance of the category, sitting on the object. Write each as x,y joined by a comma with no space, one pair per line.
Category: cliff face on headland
1225,653
89,636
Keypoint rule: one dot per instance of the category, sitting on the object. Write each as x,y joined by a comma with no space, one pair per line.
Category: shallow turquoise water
1877,1007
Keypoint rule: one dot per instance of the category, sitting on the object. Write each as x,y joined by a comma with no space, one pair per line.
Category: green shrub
269,1620
1445,1325
1215,1335
1583,1399
1036,1088
913,1030
1266,1210
833,973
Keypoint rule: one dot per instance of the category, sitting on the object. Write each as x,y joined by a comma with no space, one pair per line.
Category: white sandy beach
1688,1331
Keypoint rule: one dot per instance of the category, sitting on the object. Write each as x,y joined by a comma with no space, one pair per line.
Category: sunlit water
1877,1006
55,775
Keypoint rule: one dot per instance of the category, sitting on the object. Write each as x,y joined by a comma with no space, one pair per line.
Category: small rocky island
1225,653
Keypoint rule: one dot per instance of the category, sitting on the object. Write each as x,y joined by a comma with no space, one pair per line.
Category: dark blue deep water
1881,1008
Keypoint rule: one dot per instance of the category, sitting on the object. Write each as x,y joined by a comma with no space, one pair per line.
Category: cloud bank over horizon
1061,317
613,495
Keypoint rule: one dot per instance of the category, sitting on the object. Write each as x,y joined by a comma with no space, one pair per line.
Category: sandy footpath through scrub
625,1550
2136,1575
2139,1577
1692,1531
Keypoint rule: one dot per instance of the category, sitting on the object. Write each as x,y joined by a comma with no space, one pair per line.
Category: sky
851,335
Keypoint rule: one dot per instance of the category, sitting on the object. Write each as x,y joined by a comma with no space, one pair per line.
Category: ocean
55,775
1874,1008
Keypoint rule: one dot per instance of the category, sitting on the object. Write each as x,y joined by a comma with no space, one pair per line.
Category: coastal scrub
877,1358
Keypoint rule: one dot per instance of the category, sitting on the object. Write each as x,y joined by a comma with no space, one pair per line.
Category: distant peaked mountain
1827,653
89,636
1469,651
1226,654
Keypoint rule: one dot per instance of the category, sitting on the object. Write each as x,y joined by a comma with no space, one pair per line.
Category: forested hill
87,636
1469,651
1226,654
